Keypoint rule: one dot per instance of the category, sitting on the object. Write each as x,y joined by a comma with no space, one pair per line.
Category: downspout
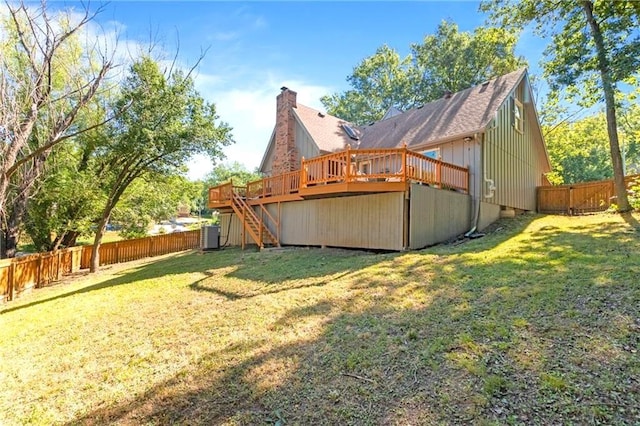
486,180
492,186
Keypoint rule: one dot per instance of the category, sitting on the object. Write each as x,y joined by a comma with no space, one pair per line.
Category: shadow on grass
179,264
296,265
546,333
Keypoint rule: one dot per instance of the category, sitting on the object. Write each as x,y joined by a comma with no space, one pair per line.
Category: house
410,180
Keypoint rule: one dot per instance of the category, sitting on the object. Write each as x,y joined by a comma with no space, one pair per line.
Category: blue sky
254,48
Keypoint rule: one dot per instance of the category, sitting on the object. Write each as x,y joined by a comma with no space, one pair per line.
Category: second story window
518,116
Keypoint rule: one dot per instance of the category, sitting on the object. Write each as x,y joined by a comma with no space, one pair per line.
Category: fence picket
578,198
41,269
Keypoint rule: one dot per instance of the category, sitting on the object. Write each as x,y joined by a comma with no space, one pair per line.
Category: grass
536,323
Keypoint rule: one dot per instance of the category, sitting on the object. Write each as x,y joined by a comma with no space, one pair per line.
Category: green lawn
536,323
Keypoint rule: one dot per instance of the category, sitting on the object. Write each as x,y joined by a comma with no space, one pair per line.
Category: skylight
350,132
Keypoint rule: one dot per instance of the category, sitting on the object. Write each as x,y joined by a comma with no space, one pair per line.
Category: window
518,116
350,132
432,153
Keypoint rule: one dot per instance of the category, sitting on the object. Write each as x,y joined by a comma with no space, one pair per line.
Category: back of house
412,179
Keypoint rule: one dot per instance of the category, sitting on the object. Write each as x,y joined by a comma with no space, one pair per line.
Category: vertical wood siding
373,221
465,154
231,230
307,148
513,159
437,215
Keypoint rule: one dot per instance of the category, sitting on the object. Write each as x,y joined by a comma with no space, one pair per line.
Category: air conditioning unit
210,237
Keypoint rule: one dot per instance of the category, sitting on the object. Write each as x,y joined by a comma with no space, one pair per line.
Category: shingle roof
326,130
464,113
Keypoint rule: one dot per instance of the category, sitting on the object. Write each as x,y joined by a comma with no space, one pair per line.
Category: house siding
513,158
267,167
230,230
307,148
372,221
436,215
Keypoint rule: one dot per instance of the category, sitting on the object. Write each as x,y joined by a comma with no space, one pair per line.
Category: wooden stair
253,226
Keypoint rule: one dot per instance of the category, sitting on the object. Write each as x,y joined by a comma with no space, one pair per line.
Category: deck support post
261,242
244,215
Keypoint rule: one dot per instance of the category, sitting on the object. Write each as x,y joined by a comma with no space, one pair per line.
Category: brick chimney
285,158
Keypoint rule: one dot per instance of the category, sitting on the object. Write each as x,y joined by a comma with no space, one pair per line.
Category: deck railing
221,193
353,166
284,184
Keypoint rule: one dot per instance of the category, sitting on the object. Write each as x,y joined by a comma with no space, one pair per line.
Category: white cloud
251,111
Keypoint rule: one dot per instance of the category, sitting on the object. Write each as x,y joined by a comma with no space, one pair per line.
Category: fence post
59,270
12,268
116,247
570,212
150,254
38,270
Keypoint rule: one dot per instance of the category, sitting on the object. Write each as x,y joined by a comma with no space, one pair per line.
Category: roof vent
447,94
350,132
321,115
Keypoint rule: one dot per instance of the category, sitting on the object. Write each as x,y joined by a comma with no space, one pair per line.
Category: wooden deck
348,172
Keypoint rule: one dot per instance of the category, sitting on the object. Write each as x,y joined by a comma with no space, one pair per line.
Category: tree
235,171
594,47
379,82
148,201
452,61
46,80
165,122
448,60
579,151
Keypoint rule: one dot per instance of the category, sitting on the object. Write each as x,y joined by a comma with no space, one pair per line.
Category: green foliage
448,60
595,46
165,121
634,194
579,151
162,122
379,82
235,172
147,202
571,57
49,77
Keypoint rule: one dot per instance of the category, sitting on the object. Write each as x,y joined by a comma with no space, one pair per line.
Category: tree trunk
609,97
12,230
18,212
70,238
97,241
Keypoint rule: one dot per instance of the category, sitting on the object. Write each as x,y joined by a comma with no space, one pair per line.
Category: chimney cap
283,88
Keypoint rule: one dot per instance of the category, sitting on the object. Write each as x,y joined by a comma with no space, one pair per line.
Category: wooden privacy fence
38,270
579,198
